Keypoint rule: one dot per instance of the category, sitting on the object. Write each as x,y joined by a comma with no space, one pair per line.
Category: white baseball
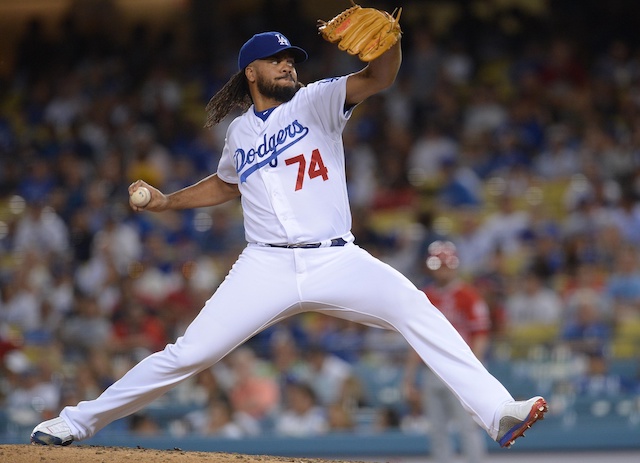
141,196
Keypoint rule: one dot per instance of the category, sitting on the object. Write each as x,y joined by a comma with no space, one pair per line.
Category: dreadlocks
234,94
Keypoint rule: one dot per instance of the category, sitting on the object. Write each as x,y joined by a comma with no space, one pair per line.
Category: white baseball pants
266,285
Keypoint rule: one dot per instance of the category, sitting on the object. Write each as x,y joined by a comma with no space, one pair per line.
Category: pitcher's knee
190,358
408,305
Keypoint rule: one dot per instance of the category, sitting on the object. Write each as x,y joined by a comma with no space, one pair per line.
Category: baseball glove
366,32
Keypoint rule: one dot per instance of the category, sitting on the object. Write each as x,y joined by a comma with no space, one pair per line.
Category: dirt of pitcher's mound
99,454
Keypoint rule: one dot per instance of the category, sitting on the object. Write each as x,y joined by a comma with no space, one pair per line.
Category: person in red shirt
465,308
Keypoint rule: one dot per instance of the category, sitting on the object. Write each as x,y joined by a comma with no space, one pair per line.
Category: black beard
280,93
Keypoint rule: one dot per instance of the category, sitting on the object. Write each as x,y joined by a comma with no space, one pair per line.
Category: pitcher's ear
250,73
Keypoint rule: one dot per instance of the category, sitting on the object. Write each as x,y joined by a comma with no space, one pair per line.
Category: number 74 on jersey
316,167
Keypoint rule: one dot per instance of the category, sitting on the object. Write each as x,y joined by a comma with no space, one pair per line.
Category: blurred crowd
525,154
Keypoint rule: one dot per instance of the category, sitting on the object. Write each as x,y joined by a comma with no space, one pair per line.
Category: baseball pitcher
284,157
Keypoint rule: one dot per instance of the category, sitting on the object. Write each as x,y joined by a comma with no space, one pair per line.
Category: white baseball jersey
289,166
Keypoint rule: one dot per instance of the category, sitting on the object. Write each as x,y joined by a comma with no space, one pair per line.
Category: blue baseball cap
267,44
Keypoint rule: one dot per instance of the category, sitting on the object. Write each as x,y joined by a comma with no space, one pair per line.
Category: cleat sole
41,438
537,413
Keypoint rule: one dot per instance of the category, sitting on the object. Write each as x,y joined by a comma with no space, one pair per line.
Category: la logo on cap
282,40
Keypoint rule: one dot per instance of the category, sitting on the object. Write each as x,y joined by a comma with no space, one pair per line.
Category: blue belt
334,242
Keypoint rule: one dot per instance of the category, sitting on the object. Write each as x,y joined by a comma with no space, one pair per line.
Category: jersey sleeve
327,97
226,169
